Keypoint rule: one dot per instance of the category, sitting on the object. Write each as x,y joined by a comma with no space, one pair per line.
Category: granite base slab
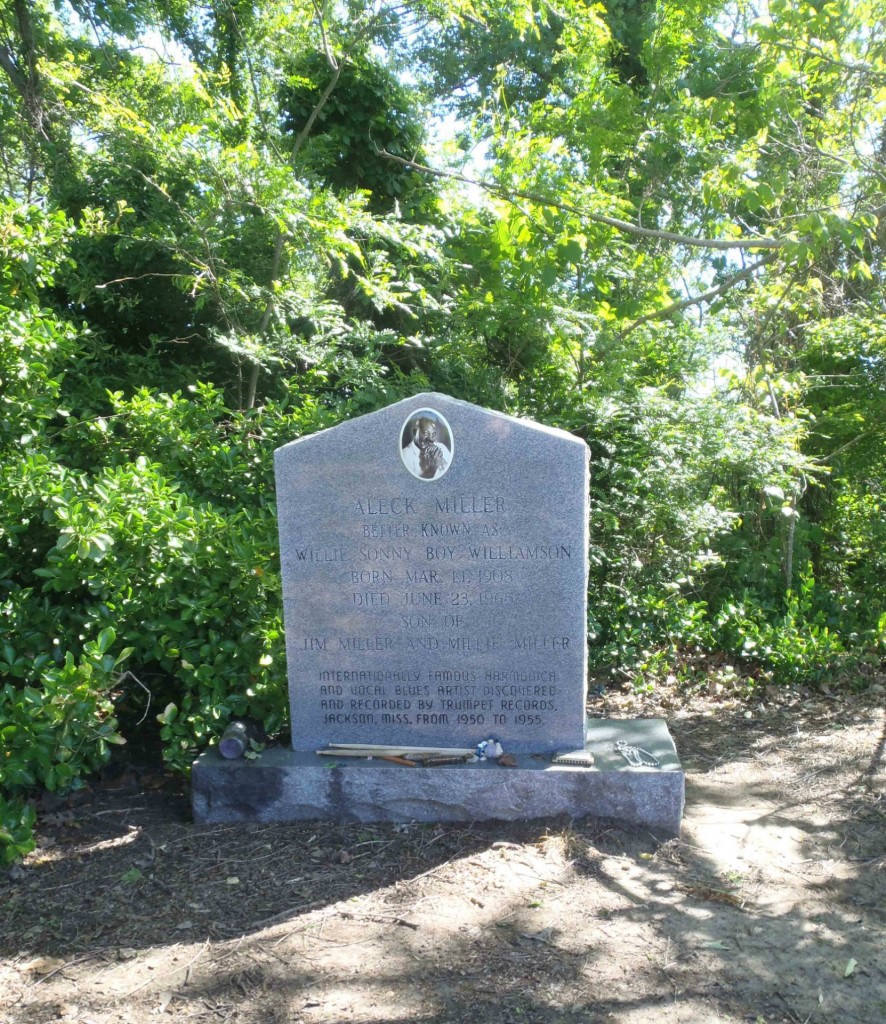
288,785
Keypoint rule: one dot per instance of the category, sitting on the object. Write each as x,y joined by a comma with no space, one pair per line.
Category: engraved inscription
371,599
471,504
385,531
433,530
384,506
423,577
371,576
541,552
320,554
541,643
395,553
366,643
433,590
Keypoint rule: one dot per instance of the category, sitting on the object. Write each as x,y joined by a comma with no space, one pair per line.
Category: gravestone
434,567
436,605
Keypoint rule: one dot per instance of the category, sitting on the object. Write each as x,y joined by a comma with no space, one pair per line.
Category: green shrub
794,644
56,726
56,714
16,830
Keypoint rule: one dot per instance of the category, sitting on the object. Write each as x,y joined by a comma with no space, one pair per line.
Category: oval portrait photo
426,444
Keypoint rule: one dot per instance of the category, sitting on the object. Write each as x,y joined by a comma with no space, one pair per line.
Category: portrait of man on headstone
426,445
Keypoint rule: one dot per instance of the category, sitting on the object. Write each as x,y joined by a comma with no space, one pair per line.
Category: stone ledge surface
287,785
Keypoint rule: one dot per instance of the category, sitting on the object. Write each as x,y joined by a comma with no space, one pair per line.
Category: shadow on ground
770,908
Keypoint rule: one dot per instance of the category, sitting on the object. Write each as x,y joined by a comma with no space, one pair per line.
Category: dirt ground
770,907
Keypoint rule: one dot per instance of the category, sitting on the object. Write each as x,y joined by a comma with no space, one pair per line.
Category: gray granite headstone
434,564
434,559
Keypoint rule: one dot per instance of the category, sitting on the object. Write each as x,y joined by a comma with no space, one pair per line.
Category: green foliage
16,830
795,644
56,714
368,112
180,567
505,60
56,723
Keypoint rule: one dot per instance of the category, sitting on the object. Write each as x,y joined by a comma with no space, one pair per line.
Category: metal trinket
636,757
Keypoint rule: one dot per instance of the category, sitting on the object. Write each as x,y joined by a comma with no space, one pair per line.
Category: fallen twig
63,967
286,913
185,967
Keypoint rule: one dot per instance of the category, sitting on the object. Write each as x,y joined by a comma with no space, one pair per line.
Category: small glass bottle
235,740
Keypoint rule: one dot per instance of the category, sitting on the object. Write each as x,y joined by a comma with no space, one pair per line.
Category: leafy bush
794,645
57,716
16,829
56,726
99,540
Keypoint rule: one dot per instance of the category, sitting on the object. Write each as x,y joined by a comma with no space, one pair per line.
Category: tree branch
843,447
315,113
23,73
330,56
7,63
337,65
597,218
252,387
697,300
253,84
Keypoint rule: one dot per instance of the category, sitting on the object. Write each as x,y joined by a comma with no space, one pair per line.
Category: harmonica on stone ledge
411,753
